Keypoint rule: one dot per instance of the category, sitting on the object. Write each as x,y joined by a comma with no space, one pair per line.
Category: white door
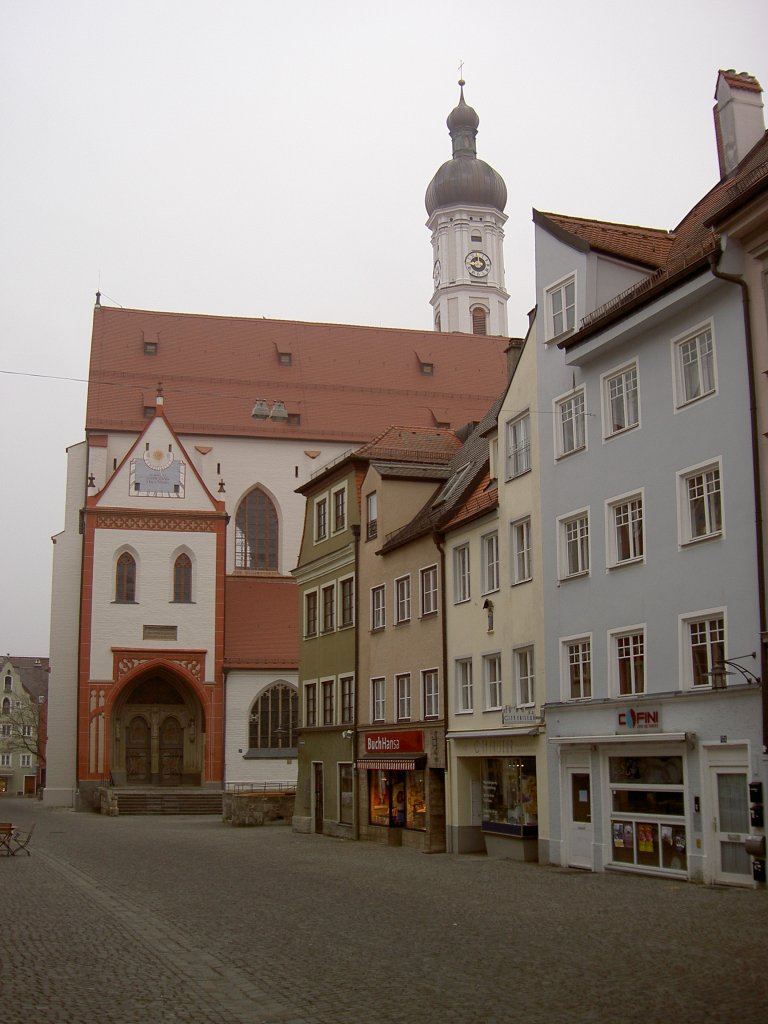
730,823
579,800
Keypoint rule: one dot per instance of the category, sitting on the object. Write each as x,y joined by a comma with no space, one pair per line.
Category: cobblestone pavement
180,920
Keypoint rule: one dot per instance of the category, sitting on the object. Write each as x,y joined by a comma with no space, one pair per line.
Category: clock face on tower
477,263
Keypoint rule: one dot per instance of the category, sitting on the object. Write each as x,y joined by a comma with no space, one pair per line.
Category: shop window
510,801
397,799
648,812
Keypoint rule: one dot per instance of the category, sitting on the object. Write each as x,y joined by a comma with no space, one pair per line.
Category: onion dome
464,180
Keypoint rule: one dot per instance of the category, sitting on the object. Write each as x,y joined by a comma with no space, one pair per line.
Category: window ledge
403,622
572,451
574,576
691,542
623,430
516,476
626,562
519,583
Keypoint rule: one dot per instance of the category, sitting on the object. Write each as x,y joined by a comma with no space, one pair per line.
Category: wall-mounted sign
157,475
393,742
514,716
638,720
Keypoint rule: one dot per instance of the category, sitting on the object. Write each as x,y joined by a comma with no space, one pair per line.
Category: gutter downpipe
355,697
760,546
439,539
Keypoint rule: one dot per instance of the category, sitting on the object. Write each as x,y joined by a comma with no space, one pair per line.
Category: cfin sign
633,720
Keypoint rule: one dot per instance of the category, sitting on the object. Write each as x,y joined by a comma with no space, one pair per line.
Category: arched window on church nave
125,578
182,579
6,705
274,719
256,532
479,320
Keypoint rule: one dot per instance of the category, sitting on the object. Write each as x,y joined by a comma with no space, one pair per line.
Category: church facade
175,621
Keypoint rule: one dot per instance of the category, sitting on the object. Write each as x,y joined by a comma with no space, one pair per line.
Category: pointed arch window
125,579
274,720
256,532
479,320
182,579
6,705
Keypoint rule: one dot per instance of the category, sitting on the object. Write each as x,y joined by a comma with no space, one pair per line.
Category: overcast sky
270,159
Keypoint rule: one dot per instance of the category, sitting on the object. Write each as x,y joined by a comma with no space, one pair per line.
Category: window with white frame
694,356
347,598
704,649
5,729
347,685
577,657
628,661
26,761
621,403
428,590
573,538
490,549
26,730
310,613
378,700
464,685
321,519
701,503
310,704
518,446
329,608
461,591
5,760
372,516
339,500
625,529
561,307
524,677
492,681
403,599
378,605
403,690
520,537
328,688
570,423
430,693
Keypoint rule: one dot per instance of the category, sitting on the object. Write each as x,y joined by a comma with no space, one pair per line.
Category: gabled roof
469,466
338,382
33,673
648,247
695,243
483,498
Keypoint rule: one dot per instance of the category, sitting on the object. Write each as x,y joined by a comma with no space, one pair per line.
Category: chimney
738,115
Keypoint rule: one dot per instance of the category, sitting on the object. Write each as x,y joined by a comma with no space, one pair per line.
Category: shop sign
393,742
512,716
639,720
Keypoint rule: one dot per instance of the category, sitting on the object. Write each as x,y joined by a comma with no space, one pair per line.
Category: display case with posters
510,804
648,813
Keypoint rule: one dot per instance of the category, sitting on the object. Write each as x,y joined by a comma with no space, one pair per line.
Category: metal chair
20,838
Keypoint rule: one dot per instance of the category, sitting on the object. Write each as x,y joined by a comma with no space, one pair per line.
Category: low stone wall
248,809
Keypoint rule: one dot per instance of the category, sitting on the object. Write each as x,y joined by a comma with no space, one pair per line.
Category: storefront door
730,802
579,837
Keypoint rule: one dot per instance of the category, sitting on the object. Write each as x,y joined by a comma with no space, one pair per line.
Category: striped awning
391,764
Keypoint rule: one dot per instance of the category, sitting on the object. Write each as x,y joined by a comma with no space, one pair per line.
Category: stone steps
159,802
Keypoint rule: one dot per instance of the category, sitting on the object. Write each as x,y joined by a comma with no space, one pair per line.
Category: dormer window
561,307
285,358
427,369
149,412
150,348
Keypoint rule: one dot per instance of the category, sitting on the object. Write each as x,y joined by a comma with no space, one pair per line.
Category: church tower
465,202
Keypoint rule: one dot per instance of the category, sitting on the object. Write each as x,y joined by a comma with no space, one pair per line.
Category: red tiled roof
261,623
741,80
412,444
481,500
345,383
694,243
648,246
